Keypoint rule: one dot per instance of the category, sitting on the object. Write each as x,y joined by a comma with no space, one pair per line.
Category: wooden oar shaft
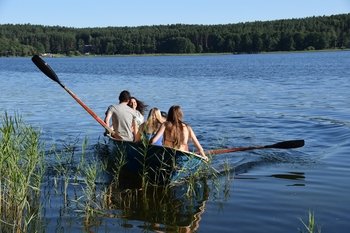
230,150
89,110
280,145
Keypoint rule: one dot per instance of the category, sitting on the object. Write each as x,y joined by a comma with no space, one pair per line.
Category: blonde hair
153,122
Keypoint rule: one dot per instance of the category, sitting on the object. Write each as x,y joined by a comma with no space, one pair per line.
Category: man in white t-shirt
123,118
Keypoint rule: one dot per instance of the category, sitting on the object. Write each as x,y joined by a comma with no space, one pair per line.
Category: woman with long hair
150,127
140,108
177,133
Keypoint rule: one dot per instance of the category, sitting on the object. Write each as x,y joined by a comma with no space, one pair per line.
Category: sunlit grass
70,174
21,172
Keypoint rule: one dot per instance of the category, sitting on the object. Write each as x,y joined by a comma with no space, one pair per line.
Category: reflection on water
75,196
297,176
155,210
290,176
159,209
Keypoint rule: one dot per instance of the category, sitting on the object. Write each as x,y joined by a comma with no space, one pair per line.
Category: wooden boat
157,164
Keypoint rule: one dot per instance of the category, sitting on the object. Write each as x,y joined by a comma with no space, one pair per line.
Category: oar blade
287,144
45,68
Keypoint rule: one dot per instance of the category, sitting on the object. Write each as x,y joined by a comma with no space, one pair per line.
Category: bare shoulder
188,127
188,130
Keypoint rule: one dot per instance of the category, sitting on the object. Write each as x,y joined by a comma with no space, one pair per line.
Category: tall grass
23,165
311,226
21,172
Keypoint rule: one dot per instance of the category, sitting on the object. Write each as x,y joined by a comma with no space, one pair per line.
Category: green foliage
21,171
324,32
177,45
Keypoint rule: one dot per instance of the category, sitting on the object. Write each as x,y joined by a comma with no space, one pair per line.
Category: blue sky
103,13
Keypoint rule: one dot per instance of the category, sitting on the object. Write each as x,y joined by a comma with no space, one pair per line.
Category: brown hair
141,106
175,126
124,96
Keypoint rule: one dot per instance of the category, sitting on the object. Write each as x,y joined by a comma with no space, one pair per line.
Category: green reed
21,172
104,200
63,168
22,167
145,169
94,200
117,164
311,226
64,165
90,191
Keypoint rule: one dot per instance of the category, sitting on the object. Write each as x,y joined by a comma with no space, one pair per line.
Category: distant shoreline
192,54
309,34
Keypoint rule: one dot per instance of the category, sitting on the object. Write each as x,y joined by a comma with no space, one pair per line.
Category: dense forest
312,33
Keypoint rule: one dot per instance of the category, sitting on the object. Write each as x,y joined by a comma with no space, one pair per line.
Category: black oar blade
287,144
45,68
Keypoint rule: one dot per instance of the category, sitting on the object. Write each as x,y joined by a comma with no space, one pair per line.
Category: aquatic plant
21,172
311,226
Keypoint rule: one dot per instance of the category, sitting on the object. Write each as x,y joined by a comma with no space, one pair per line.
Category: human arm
139,132
108,118
135,128
196,143
159,133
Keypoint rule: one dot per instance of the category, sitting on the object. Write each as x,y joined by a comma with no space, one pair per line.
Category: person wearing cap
123,118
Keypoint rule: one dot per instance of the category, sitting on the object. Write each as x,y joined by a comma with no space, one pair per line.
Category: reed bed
21,172
74,176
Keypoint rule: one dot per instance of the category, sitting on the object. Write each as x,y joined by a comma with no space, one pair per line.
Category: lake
230,101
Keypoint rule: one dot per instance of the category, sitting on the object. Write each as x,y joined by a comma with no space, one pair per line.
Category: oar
280,145
46,69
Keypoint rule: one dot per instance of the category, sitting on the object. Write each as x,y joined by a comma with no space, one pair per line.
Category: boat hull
156,164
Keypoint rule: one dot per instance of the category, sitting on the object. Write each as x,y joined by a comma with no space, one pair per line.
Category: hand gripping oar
280,145
46,69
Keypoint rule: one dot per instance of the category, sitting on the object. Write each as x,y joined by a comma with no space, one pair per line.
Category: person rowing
123,118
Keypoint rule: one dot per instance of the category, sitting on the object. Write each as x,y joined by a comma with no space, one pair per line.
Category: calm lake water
230,101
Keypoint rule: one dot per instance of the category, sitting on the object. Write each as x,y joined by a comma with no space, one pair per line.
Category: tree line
311,33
